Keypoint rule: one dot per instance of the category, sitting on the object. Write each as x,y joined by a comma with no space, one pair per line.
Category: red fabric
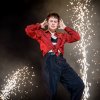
44,38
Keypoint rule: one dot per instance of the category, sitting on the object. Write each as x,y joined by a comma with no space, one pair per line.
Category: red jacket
44,38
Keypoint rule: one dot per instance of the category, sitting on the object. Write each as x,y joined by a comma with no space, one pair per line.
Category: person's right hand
44,23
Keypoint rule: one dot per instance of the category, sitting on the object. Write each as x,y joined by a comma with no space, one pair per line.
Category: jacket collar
47,31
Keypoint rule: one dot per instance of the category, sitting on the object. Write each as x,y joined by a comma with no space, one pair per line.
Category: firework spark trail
20,77
81,22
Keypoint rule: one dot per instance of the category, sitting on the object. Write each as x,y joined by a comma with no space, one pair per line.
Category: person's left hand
61,24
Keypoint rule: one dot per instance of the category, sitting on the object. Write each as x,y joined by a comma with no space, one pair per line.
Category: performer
55,67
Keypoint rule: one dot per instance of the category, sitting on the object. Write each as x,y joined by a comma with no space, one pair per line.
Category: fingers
61,21
61,24
45,21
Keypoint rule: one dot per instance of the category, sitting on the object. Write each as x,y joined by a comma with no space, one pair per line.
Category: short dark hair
55,15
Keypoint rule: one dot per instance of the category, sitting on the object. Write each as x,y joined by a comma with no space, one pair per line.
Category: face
52,24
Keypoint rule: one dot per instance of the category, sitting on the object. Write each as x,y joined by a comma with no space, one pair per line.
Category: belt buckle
52,53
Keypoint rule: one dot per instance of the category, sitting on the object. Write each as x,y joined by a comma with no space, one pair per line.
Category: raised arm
35,30
70,35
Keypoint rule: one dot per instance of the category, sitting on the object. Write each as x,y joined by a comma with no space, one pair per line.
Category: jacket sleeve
71,35
34,31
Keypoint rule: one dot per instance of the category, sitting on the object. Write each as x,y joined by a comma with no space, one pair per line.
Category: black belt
52,53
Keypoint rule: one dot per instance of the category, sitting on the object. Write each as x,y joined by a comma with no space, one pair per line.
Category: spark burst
20,77
80,19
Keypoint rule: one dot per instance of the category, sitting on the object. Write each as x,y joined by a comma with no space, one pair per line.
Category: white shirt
54,43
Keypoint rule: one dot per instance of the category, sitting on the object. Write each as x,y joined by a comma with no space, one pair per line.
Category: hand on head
61,24
44,23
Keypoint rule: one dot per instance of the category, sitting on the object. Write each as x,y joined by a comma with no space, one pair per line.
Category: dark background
17,49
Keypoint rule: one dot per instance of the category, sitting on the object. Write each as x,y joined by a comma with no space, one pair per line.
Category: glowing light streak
80,19
20,77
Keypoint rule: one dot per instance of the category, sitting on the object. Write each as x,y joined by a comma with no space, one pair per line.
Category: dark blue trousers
55,69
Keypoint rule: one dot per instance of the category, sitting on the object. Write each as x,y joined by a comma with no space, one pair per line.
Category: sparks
80,20
20,77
